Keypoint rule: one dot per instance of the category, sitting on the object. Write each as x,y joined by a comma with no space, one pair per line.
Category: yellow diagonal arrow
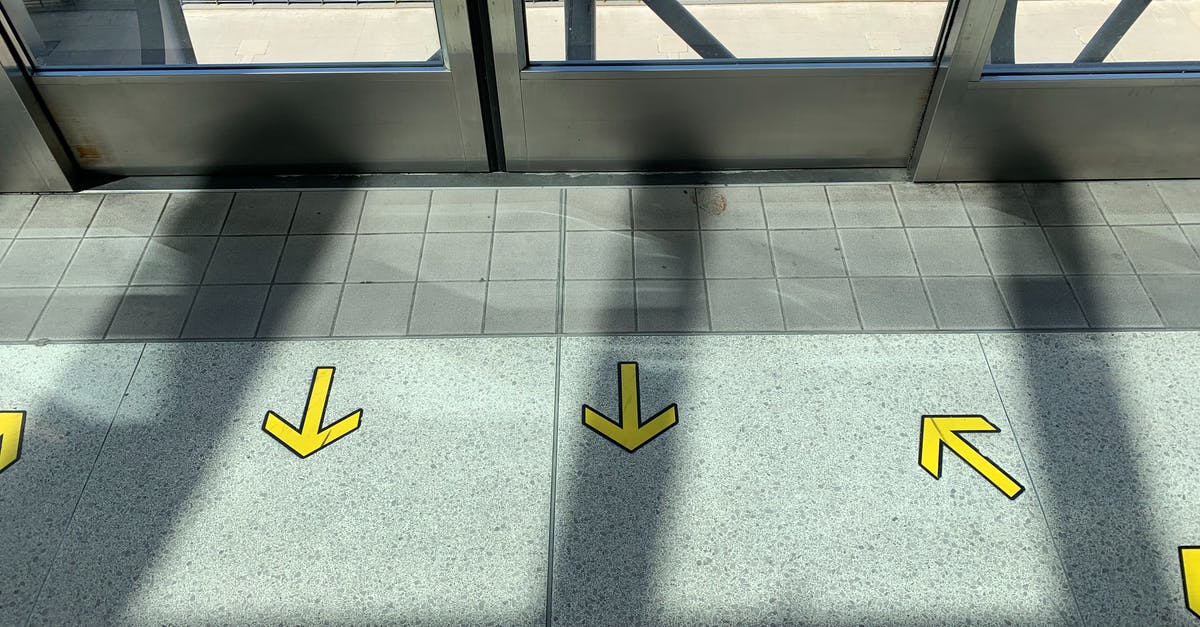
631,434
937,431
310,438
1189,563
12,424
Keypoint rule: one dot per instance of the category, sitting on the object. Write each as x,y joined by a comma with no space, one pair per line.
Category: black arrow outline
20,436
637,376
325,410
1187,603
942,446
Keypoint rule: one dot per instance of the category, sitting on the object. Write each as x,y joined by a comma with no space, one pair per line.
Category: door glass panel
123,33
1097,31
730,30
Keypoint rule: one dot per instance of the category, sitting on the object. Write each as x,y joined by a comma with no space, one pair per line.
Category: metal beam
581,29
1111,31
1003,51
693,33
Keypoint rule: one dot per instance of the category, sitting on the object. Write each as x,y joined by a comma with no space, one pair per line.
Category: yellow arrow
1189,563
12,424
310,438
631,434
937,431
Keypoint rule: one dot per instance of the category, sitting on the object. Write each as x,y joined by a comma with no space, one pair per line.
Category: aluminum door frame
626,117
1135,121
277,119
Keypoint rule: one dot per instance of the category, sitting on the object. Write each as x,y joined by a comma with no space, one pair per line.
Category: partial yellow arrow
631,434
937,431
12,425
310,438
1189,563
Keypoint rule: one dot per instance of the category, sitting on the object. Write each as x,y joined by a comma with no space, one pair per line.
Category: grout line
337,309
83,489
207,265
262,313
412,302
1029,474
560,297
774,265
487,275
54,289
129,280
553,479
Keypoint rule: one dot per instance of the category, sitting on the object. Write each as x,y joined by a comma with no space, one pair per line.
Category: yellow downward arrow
937,431
1189,563
310,438
631,434
12,423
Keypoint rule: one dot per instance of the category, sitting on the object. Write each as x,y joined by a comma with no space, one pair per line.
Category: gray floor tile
800,253
455,257
78,313
374,309
996,204
599,255
448,309
104,261
736,254
1182,197
1088,250
667,255
730,208
756,508
1130,202
930,204
464,209
314,259
947,252
966,303
528,209
877,252
127,214
892,303
1017,250
744,305
598,209
174,260
1041,303
1177,298
818,305
19,310
69,394
672,305
61,215
244,259
261,213
226,311
14,209
395,211
303,310
385,257
665,208
159,509
194,213
529,255
521,307
36,262
598,307
1157,249
328,212
863,205
1063,203
797,207
1114,301
1105,435
152,313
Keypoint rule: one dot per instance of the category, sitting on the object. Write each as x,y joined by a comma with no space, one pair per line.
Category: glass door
713,84
203,86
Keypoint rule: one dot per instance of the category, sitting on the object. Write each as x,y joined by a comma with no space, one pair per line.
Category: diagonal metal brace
693,33
1111,31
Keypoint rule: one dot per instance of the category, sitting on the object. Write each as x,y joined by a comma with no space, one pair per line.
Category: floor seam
553,480
1032,486
83,489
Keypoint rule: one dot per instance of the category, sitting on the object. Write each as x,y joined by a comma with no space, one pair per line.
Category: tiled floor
588,260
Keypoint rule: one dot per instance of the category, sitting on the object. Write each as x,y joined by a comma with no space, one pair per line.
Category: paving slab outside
789,492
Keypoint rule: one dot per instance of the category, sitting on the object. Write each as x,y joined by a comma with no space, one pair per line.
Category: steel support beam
1111,31
581,29
693,33
1003,49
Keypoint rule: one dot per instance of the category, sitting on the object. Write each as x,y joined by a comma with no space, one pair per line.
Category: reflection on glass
93,33
661,30
1097,31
